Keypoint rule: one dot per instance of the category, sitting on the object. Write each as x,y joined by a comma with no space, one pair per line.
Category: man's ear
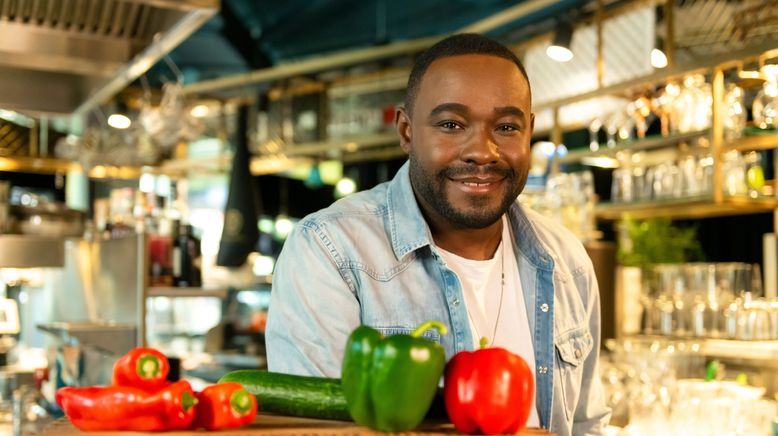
402,122
531,123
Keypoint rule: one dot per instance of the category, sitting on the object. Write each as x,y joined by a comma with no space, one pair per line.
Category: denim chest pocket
573,347
381,270
431,335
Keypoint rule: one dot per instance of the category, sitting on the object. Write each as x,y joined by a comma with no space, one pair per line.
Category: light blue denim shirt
370,259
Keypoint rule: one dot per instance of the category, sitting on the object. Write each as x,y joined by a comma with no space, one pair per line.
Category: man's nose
480,148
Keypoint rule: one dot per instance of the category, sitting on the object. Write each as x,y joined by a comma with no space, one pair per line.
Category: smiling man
446,240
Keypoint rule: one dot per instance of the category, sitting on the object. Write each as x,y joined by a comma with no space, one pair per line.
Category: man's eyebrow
509,110
462,109
449,107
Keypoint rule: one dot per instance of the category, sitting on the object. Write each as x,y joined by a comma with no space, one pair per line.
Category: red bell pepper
488,391
225,405
129,408
144,368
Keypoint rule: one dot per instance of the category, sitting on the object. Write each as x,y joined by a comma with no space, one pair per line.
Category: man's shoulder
367,206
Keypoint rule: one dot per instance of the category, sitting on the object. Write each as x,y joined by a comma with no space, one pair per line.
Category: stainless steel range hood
66,56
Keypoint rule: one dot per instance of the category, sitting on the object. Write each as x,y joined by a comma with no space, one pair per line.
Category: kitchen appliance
52,219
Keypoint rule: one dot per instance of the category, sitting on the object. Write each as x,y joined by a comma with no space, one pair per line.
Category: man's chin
476,219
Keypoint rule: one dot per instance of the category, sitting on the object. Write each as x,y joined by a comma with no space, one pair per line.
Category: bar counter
281,425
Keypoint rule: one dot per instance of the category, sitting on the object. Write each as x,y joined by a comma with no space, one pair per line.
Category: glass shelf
649,143
763,141
723,348
686,208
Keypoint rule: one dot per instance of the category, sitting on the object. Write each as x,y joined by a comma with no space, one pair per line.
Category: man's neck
476,244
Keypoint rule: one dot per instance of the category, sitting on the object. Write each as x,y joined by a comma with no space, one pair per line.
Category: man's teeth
475,184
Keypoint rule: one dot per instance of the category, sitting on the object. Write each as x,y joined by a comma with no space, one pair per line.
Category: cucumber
295,395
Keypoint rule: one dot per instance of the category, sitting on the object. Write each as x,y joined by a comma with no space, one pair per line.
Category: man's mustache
477,171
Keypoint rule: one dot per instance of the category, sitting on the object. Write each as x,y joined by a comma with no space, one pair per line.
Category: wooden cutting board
280,425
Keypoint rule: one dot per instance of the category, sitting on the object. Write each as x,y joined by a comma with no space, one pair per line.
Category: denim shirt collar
407,227
527,241
409,230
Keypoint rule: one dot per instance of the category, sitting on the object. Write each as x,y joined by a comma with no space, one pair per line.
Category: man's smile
477,185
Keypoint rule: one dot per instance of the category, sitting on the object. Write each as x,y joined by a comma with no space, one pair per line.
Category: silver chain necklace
499,306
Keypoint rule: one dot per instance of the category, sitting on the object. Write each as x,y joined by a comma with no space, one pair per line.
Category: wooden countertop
280,425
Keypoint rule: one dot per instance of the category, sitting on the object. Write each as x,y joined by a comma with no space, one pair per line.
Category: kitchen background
123,123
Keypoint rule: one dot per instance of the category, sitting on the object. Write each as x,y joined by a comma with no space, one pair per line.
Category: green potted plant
642,244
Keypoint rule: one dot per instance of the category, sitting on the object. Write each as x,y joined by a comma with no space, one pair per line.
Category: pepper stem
148,366
484,342
432,324
240,402
188,401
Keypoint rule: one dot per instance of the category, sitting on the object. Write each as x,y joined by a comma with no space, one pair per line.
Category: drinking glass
594,129
690,181
734,169
765,106
705,173
734,112
754,173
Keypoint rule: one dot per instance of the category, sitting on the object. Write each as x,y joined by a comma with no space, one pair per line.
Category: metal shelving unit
175,292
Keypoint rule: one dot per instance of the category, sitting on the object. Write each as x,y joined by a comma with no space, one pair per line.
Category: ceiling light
119,121
559,50
200,111
750,78
600,161
658,56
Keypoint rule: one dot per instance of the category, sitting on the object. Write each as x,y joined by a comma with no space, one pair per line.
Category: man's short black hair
456,45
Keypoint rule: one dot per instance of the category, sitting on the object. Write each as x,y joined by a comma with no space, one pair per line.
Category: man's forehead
462,74
475,63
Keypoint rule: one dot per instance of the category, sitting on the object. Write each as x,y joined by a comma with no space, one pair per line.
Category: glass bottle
188,257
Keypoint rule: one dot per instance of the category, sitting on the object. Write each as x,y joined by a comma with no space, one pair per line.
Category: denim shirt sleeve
312,306
591,413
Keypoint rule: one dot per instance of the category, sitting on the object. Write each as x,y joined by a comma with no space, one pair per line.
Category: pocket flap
574,346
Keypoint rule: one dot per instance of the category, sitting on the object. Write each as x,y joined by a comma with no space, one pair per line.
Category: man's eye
507,128
449,125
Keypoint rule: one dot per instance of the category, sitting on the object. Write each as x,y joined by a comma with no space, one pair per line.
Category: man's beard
477,215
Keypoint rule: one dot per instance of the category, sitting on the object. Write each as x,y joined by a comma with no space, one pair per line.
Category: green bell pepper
389,383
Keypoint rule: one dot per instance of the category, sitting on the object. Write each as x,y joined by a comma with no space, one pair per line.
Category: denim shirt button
578,353
542,369
544,307
455,302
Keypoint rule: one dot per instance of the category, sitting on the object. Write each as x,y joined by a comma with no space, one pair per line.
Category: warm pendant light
658,56
559,50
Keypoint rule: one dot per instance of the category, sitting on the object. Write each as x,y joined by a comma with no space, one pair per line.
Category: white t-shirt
481,287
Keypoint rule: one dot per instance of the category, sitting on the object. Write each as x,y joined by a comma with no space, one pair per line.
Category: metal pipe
351,57
318,63
669,47
144,60
599,20
718,135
